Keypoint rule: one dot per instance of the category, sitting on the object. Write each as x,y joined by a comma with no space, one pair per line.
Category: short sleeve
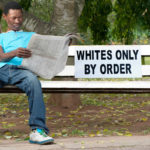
1,40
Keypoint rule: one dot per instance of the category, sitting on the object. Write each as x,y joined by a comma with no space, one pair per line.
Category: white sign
113,61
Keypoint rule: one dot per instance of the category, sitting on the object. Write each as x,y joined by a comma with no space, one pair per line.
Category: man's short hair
11,5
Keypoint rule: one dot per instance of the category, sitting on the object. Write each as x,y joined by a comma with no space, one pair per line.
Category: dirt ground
99,115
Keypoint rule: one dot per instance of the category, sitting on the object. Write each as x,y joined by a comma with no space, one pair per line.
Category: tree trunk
65,16
2,3
32,23
64,20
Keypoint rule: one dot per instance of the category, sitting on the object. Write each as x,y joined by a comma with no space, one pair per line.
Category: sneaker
39,136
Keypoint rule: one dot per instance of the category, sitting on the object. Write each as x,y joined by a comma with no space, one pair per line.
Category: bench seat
88,87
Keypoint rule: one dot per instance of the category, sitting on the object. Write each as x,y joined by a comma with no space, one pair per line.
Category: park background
105,22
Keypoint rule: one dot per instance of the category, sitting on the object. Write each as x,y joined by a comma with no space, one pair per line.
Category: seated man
13,48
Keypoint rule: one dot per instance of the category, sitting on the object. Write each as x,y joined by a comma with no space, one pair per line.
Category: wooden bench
63,84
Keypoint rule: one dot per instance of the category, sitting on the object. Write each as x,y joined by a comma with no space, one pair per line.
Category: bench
63,82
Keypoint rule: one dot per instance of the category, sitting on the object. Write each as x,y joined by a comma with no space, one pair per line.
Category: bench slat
88,87
96,84
145,50
68,71
145,70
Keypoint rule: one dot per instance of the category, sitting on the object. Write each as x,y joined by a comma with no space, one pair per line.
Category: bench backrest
69,70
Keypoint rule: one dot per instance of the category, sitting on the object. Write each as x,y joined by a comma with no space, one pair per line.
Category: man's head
13,15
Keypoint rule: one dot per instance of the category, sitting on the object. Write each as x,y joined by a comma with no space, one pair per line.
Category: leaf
58,114
64,131
128,133
50,118
26,139
59,134
9,125
8,133
118,133
7,137
144,119
91,135
53,135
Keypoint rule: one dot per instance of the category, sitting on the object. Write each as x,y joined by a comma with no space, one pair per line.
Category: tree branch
32,23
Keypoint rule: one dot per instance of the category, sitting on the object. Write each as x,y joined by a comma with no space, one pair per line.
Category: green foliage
119,20
3,25
42,9
144,18
94,17
1,14
25,4
129,16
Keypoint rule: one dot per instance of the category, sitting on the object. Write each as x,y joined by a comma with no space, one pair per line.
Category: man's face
14,19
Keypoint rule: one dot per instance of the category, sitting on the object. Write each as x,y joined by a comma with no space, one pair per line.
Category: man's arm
19,52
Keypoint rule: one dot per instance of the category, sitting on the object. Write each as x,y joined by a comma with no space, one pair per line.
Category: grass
99,115
106,100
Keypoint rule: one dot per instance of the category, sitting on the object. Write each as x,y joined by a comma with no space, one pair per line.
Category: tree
94,16
129,16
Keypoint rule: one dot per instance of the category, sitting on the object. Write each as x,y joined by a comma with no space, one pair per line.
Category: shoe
39,136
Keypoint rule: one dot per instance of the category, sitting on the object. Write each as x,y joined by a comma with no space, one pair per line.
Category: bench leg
65,100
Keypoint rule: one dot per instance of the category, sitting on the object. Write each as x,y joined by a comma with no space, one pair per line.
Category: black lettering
109,54
93,68
128,69
103,69
122,68
135,53
80,55
125,55
88,55
109,69
87,69
118,54
116,68
97,54
103,54
130,55
92,55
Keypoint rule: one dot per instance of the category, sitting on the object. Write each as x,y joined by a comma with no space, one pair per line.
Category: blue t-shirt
12,40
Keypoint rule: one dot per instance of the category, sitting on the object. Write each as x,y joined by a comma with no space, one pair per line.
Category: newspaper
49,54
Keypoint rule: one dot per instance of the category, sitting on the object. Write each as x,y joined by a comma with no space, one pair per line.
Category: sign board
113,61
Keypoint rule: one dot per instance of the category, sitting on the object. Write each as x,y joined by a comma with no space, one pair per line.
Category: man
13,48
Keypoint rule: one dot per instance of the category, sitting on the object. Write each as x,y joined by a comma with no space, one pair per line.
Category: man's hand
70,42
22,52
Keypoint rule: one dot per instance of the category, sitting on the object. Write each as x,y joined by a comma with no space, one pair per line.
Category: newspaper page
49,55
